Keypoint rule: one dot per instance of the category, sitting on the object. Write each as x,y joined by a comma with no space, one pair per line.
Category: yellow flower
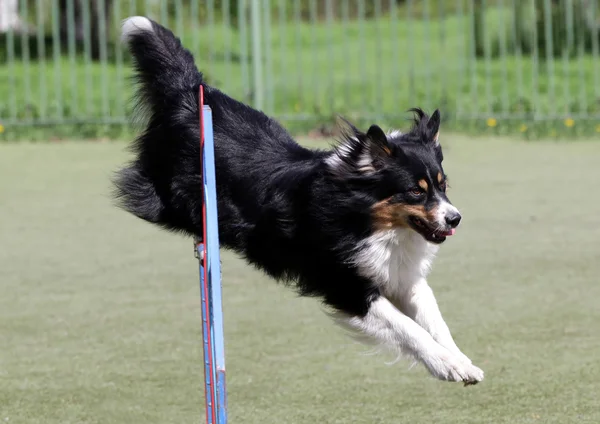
598,128
1,128
523,128
491,122
569,122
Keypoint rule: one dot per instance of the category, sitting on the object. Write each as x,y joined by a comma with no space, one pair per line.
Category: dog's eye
417,191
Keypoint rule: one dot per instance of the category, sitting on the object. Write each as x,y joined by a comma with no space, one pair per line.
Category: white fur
389,327
134,25
394,259
410,322
365,161
394,134
337,164
335,159
420,304
444,209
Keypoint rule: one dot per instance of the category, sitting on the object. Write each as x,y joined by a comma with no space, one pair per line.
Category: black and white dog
357,226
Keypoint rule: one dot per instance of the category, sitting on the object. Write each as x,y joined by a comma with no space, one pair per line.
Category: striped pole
207,252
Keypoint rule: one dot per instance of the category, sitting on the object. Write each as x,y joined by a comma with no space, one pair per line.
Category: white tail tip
134,25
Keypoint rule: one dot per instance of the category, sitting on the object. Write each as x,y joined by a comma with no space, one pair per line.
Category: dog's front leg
419,303
385,324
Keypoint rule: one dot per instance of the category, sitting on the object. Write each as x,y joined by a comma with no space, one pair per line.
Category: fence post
258,83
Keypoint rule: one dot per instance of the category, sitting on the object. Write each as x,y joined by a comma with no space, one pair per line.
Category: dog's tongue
449,233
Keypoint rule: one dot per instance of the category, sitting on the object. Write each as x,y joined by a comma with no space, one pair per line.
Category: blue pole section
207,348
214,339
214,264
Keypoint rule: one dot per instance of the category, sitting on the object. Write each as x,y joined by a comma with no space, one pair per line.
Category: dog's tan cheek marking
382,214
387,215
416,210
423,184
439,177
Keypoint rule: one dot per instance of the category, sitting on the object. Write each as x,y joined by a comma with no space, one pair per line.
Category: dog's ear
433,128
378,137
427,128
359,152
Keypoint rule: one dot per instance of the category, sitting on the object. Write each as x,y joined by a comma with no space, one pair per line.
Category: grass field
100,321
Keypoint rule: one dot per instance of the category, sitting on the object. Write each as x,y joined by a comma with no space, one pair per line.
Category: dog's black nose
453,219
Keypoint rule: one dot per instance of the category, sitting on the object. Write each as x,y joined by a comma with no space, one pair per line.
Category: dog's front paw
449,367
475,375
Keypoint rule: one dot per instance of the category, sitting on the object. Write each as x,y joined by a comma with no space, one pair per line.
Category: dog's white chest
394,260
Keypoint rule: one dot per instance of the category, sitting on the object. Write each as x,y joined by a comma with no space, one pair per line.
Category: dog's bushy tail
167,154
164,69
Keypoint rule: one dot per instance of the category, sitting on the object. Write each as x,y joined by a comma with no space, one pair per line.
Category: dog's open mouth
429,233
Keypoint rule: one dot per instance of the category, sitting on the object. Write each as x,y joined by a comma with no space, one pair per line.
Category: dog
356,226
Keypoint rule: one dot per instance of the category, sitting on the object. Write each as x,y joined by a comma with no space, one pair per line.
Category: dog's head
400,174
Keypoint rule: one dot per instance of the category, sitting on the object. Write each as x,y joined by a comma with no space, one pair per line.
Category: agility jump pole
208,255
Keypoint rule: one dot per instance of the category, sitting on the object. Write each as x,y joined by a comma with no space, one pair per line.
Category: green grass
100,319
374,68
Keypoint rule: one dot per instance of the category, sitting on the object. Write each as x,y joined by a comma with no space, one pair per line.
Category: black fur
288,210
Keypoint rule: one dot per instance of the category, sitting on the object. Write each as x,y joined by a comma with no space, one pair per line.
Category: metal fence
306,60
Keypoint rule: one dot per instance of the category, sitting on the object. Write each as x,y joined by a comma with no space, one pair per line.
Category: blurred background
506,66
100,313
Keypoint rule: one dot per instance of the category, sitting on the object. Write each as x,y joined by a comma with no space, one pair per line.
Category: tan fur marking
387,215
384,216
387,150
423,184
439,177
